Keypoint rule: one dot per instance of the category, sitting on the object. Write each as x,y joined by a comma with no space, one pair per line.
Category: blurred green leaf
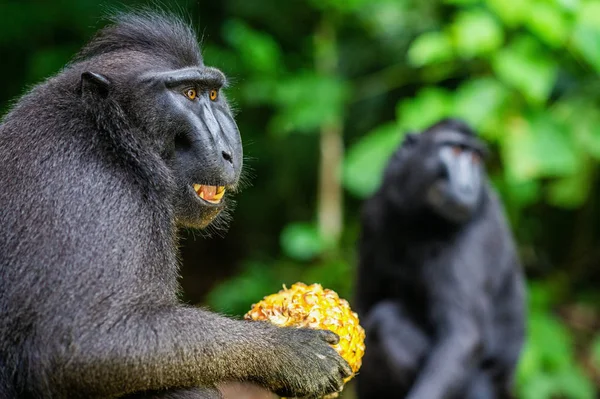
386,19
539,386
523,193
587,41
572,191
235,296
512,12
582,116
332,274
538,147
548,23
47,62
590,139
574,384
570,6
307,101
366,160
427,107
223,58
339,5
430,47
586,37
552,339
548,366
596,351
478,101
258,50
462,2
525,66
259,91
301,241
475,33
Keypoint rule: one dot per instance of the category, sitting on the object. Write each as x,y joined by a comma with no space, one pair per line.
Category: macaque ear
94,84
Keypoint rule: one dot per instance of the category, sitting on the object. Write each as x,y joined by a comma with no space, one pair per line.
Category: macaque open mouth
212,194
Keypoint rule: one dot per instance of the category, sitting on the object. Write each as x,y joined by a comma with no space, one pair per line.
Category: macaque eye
213,95
191,94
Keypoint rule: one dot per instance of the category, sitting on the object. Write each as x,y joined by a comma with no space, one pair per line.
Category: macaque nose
227,156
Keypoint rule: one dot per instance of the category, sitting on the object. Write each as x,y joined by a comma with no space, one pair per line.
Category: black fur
95,180
442,301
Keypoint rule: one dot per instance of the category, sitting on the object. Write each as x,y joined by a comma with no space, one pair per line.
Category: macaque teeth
218,195
212,194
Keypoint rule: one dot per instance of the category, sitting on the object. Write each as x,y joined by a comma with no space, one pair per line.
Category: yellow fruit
311,306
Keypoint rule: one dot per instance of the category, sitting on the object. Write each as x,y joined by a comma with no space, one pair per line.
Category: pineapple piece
311,306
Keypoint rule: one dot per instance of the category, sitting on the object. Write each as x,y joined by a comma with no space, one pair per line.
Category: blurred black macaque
440,290
100,166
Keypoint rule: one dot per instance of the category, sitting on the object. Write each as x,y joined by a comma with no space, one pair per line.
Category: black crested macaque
100,165
440,289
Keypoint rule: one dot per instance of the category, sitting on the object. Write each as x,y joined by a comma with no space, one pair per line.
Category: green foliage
476,33
586,37
430,48
427,107
364,164
596,351
301,241
256,280
548,368
526,67
235,296
258,51
307,101
478,102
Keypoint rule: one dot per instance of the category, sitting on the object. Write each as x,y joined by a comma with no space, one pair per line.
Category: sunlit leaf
526,67
301,241
512,12
548,23
475,33
570,6
587,40
430,47
366,160
586,37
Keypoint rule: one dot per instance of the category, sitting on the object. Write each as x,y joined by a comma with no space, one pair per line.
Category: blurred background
325,90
